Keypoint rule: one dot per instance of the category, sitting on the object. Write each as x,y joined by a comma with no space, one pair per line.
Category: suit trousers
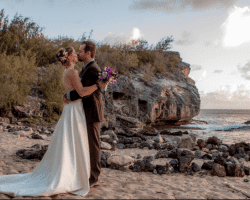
93,129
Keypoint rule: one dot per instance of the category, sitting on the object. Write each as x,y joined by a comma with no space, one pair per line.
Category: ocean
227,125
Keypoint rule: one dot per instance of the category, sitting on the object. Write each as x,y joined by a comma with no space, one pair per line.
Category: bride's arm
82,91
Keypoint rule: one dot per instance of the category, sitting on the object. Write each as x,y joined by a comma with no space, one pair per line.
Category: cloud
236,27
239,99
196,67
171,6
185,40
245,70
218,71
112,39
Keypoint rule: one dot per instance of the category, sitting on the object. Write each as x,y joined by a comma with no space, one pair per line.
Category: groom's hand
65,100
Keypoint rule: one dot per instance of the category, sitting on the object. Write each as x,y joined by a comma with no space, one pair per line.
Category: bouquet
108,74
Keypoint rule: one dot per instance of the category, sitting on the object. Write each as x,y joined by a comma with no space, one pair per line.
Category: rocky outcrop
168,97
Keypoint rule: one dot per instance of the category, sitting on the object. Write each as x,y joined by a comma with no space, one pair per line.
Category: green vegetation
24,48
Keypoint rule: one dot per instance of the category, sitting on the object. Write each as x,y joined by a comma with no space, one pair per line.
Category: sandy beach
115,184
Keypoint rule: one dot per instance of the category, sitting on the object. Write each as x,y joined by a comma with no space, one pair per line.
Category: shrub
53,89
17,76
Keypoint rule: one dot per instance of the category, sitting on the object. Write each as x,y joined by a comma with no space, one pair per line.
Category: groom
92,105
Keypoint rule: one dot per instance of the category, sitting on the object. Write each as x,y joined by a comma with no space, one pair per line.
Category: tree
164,44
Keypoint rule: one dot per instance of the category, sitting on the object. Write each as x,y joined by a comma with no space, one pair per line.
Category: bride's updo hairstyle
63,53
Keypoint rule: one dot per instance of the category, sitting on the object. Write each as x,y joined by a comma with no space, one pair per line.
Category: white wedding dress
65,168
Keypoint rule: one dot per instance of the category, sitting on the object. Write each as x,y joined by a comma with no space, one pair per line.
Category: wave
236,127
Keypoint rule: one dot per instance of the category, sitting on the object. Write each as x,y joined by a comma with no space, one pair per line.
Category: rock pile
219,158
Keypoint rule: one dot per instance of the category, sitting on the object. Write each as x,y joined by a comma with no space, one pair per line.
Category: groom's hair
90,46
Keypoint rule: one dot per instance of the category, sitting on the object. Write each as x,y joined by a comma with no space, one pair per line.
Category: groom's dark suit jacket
92,104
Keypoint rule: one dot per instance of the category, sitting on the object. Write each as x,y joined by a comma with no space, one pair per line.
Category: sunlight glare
237,29
136,34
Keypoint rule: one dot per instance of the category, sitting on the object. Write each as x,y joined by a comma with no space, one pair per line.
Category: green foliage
53,89
17,76
164,44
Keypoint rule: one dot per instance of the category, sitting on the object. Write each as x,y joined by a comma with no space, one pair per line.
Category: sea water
227,125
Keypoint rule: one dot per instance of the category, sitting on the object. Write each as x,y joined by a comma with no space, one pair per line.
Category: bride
65,167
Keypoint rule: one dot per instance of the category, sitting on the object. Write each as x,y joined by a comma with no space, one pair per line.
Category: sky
212,36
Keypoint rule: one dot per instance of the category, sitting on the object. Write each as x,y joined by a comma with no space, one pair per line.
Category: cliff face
169,97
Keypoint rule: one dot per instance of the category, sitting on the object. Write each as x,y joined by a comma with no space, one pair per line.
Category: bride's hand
103,83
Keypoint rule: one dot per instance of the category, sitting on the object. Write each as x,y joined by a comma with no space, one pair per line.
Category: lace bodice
67,82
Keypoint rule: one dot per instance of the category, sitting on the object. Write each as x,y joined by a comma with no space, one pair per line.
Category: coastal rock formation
167,97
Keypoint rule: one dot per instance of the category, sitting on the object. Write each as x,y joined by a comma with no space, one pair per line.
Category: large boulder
185,160
121,160
167,97
186,142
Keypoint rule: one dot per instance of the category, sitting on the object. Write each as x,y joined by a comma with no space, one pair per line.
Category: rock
213,140
225,155
205,150
209,147
129,140
158,139
196,148
193,136
105,145
244,145
232,150
218,170
1,128
143,166
235,168
185,160
186,142
247,170
130,146
222,148
33,107
195,167
33,152
38,136
174,163
129,122
169,145
220,160
198,154
164,169
178,133
3,196
153,132
206,157
162,154
104,158
121,160
112,135
121,146
174,153
207,165
117,167
215,154
201,143
104,138
22,133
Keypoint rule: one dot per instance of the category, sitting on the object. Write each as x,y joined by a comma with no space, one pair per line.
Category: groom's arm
92,75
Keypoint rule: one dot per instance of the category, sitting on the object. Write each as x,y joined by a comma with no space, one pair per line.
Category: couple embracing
71,163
